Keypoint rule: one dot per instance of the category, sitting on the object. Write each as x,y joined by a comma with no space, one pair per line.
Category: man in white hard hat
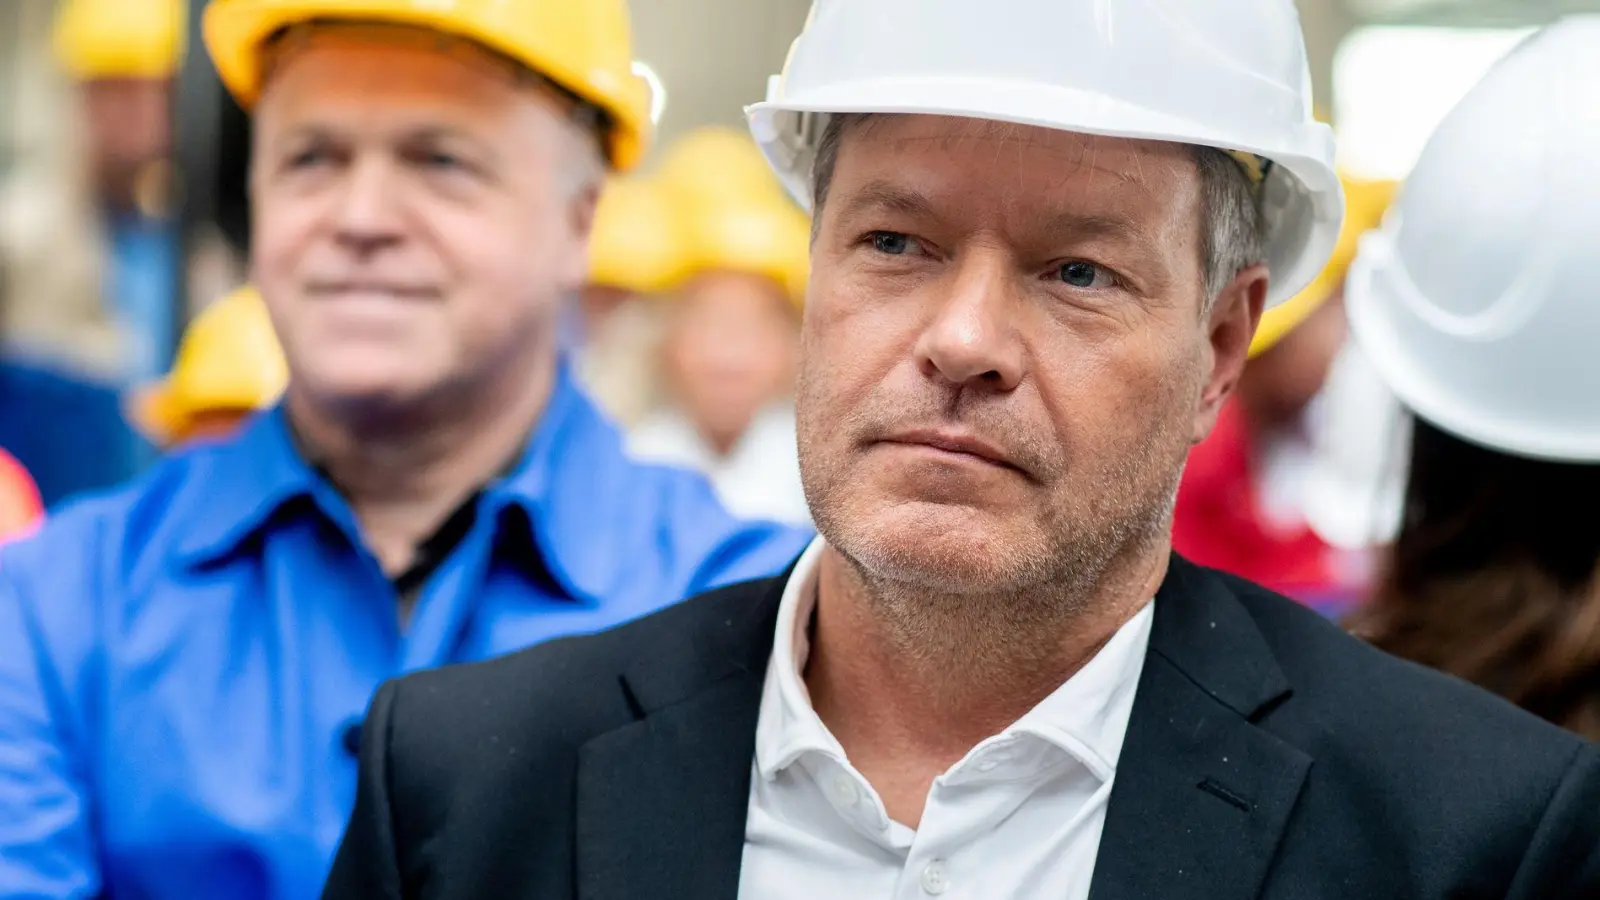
1044,237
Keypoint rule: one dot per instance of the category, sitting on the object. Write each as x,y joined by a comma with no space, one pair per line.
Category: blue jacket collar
565,484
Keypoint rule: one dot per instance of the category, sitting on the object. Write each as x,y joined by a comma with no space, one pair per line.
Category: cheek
853,337
1108,397
284,230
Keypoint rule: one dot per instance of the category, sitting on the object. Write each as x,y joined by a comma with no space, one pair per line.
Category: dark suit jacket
1269,755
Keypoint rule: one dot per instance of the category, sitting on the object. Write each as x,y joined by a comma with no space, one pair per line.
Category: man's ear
1231,327
581,204
585,199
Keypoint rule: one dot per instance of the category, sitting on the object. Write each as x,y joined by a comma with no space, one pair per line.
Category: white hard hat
1360,452
1479,300
1230,74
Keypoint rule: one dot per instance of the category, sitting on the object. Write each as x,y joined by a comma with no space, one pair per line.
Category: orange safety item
228,362
584,47
21,509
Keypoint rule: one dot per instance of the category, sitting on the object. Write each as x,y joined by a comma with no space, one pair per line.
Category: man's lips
954,442
370,289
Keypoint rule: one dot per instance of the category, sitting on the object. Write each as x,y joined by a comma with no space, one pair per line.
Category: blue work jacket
184,662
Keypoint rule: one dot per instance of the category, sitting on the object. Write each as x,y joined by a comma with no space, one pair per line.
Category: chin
942,547
367,389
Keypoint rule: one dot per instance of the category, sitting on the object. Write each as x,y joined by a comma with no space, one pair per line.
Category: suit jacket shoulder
1269,755
1410,781
1348,694
470,773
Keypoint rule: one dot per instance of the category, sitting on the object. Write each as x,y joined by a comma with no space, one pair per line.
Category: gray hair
1233,237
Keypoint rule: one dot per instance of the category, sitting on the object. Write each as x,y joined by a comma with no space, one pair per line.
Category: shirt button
934,878
844,790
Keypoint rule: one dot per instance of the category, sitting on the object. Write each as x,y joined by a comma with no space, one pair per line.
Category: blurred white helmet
1229,74
1479,300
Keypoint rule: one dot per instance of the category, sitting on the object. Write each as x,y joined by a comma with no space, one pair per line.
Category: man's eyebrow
884,195
1099,225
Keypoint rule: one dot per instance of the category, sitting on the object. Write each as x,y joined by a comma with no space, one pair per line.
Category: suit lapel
1202,795
686,760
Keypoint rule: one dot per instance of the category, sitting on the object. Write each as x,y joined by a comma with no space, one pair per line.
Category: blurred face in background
419,214
129,124
730,350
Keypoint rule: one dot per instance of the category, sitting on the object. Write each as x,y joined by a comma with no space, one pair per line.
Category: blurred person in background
123,57
1241,504
729,354
1478,308
637,254
64,350
229,367
714,161
184,662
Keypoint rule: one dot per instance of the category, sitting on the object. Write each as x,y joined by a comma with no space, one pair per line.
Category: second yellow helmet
229,360
95,39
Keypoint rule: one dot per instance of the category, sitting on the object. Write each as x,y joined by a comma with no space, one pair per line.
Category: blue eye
892,243
1082,275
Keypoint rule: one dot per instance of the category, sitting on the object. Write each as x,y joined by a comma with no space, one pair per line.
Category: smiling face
418,216
1007,351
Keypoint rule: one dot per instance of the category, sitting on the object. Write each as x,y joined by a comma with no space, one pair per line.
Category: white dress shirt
1020,816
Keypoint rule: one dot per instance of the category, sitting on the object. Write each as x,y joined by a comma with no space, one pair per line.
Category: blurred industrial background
100,289
1386,70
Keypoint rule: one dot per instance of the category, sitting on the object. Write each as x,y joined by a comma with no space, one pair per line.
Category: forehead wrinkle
1084,155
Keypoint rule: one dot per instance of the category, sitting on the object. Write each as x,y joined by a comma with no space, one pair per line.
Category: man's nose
973,338
368,214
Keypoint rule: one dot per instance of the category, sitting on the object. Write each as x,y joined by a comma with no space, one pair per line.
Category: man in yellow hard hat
184,663
229,367
730,351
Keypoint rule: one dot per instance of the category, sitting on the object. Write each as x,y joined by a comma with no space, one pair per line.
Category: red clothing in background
1220,522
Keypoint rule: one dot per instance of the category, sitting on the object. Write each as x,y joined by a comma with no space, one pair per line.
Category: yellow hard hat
229,359
759,235
718,162
1365,204
584,46
638,242
97,39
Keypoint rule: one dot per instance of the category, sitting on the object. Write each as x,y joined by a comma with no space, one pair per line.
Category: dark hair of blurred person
1475,305
1495,576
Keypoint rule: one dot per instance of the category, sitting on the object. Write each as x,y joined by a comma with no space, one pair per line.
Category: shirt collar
1087,716
250,477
